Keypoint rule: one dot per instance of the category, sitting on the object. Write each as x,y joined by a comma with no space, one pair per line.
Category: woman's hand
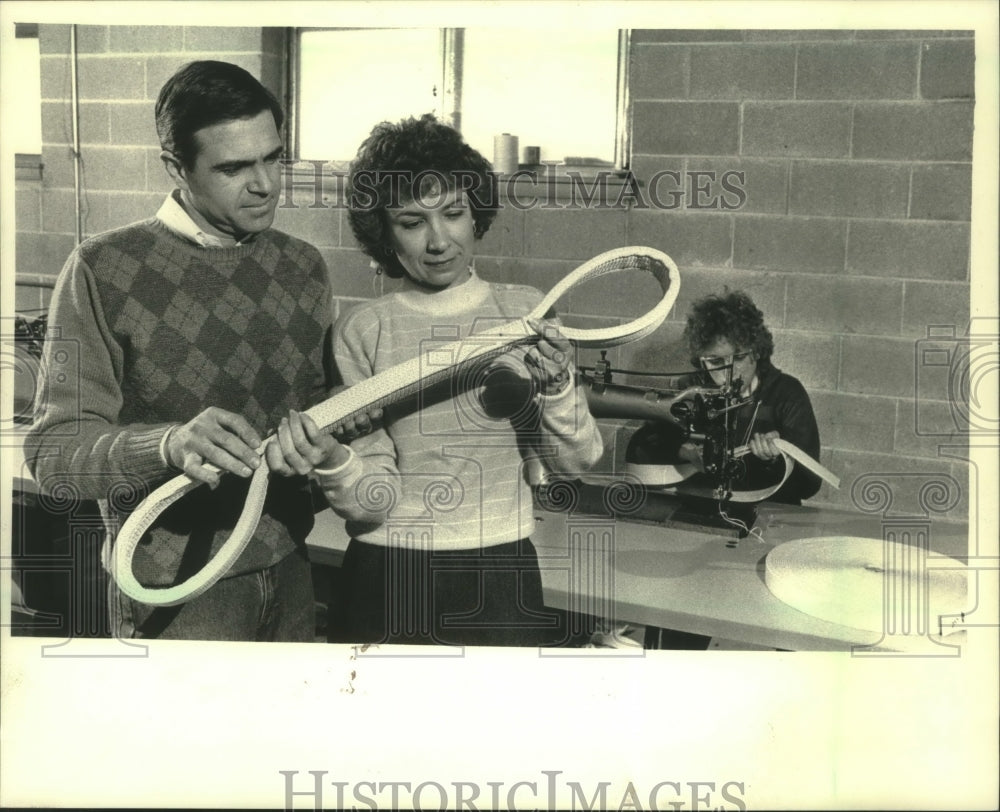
301,447
691,453
763,447
549,360
349,429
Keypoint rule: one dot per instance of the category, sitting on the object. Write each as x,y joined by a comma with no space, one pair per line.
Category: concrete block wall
120,71
863,243
853,236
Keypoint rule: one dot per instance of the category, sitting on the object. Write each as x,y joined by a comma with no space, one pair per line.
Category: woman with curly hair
729,343
728,340
438,501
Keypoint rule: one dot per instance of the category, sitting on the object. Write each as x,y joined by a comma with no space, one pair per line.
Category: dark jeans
276,604
479,597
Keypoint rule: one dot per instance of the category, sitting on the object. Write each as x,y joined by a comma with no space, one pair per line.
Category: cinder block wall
853,237
120,71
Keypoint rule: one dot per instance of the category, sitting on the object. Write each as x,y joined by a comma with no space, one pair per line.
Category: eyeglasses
720,361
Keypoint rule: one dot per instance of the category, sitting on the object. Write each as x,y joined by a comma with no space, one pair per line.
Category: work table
697,580
687,578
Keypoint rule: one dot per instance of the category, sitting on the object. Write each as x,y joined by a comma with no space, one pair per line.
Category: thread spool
505,153
532,156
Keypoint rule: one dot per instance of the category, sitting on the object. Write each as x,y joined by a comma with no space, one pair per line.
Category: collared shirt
175,217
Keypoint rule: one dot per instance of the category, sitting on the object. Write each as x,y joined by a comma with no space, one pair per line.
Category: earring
378,282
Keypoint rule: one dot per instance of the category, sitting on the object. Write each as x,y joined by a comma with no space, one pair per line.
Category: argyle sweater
146,331
454,464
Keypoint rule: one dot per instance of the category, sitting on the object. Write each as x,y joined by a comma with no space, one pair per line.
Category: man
198,330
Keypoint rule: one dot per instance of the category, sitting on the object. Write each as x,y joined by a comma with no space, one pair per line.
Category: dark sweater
146,331
782,405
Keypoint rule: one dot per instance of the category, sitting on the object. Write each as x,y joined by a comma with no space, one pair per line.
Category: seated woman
438,500
728,341
726,333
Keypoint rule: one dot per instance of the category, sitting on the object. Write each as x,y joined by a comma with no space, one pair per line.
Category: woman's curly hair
403,161
732,316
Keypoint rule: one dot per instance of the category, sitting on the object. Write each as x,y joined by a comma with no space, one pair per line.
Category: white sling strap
382,389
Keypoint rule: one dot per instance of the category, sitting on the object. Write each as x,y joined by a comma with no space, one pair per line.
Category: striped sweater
454,463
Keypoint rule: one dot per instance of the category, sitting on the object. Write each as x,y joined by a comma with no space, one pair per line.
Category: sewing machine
657,484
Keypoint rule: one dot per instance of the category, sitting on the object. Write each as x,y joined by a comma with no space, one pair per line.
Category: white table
689,580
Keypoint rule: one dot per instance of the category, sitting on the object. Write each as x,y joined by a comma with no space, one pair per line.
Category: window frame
449,109
27,165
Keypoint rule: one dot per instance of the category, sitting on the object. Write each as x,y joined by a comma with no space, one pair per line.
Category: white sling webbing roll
864,583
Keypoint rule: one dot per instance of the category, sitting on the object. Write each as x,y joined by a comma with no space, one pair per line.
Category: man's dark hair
204,93
732,316
403,161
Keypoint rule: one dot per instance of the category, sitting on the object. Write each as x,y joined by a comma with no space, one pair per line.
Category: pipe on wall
453,48
75,115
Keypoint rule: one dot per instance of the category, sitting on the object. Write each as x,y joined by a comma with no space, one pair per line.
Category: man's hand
762,446
224,439
301,447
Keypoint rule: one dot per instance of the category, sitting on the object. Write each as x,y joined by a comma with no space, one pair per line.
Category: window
26,92
349,80
567,98
562,98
